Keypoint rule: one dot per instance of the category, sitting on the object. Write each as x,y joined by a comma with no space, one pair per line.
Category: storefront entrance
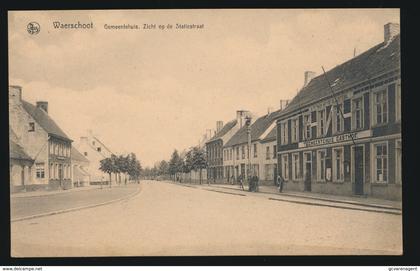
358,163
308,170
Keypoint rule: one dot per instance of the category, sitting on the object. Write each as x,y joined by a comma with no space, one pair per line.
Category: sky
150,91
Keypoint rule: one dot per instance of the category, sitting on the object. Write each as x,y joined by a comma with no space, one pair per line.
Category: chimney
270,110
390,31
283,104
308,77
219,126
15,94
208,134
43,105
240,117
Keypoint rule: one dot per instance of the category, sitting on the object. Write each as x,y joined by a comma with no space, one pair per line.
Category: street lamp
248,131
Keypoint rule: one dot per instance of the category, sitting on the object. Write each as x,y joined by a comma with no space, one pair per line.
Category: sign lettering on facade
335,139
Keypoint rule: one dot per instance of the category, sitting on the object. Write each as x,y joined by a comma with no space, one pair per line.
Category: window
85,153
357,113
284,133
98,149
267,153
398,102
40,170
338,121
296,173
295,130
237,153
51,171
321,155
381,162
285,166
321,122
255,150
338,165
380,107
93,143
50,147
274,151
398,156
31,127
243,152
307,126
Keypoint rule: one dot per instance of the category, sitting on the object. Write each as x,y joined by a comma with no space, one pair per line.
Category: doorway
308,171
358,162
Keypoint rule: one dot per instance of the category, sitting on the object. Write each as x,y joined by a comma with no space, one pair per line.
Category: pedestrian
280,182
253,186
241,181
233,179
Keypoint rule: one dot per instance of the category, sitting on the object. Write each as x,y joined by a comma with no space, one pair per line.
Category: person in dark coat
280,182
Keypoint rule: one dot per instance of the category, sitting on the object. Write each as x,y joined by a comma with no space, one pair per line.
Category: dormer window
93,143
98,149
31,127
85,153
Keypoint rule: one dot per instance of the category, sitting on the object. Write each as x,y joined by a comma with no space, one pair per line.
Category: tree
163,167
108,165
199,160
133,166
175,164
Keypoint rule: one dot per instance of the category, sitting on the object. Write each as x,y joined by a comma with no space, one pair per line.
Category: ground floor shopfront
367,167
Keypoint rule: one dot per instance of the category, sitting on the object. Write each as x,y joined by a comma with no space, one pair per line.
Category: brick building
347,140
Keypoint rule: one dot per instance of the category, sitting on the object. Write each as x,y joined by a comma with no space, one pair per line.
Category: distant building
216,171
94,150
42,140
80,171
237,152
348,143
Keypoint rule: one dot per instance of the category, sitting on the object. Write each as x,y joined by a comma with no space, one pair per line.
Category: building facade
341,134
42,140
216,170
94,150
79,168
236,151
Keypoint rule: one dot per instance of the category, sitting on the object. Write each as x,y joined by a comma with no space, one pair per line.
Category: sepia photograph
205,132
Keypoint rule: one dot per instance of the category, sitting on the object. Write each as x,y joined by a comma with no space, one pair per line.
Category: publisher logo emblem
33,28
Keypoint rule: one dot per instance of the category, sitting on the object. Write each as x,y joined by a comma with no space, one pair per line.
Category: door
22,176
60,174
308,171
358,170
275,174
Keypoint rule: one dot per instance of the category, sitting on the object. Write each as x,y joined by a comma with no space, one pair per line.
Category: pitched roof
382,58
272,135
44,120
76,155
17,152
225,129
257,129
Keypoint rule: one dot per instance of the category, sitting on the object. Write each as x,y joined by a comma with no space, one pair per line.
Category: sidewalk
41,193
362,201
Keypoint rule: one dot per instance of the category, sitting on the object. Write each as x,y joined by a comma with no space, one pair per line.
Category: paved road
168,219
28,206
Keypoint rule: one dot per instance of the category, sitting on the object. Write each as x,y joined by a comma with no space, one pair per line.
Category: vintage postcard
205,132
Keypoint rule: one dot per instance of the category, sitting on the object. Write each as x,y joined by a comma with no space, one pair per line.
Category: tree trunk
200,176
110,180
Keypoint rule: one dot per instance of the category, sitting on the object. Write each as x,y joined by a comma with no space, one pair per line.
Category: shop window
380,107
338,164
40,170
285,166
237,153
296,172
321,157
398,159
381,162
357,113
